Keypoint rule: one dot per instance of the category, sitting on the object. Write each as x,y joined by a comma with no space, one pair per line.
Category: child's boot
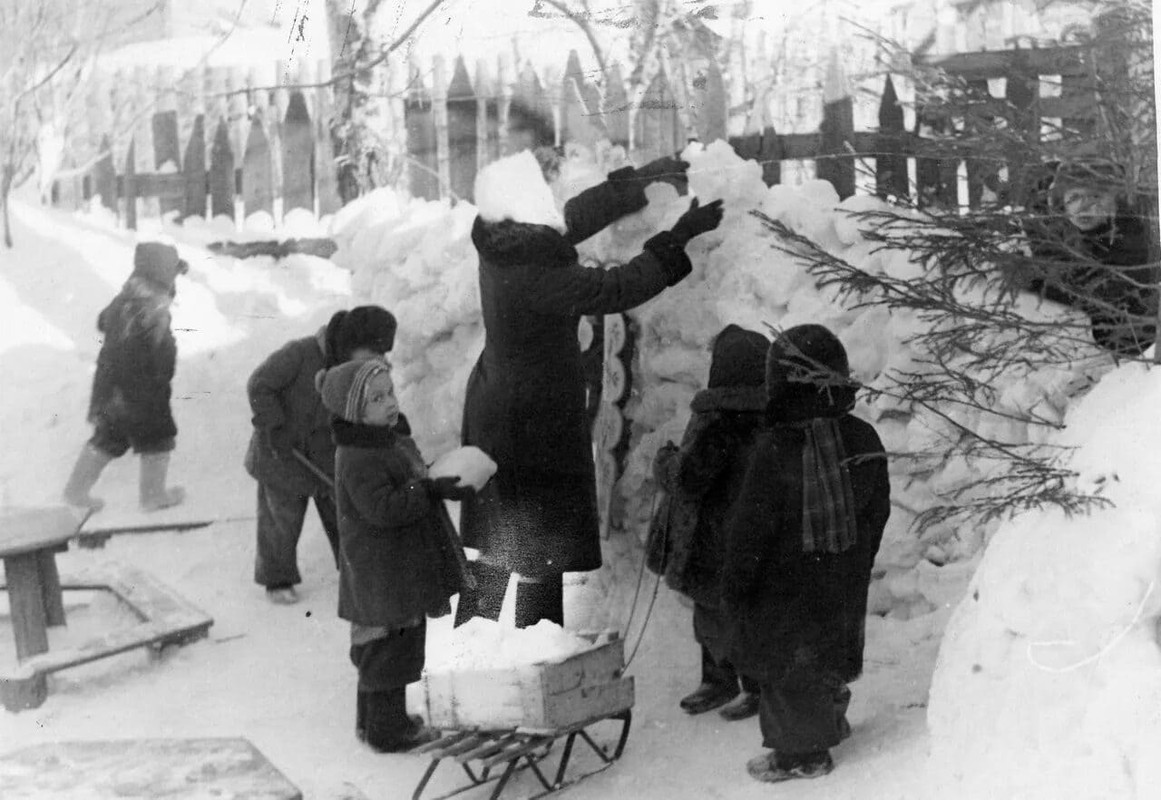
86,471
387,726
154,494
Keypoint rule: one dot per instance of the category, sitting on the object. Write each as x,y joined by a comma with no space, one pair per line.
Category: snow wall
416,258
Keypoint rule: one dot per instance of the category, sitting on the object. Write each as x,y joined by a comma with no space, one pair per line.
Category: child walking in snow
129,404
800,544
396,563
291,448
701,480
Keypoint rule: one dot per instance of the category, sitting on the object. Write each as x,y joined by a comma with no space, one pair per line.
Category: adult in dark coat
1093,254
130,401
700,481
397,563
289,416
800,546
525,402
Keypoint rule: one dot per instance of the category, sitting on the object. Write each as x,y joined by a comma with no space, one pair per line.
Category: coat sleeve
596,208
382,501
267,383
574,290
751,529
705,454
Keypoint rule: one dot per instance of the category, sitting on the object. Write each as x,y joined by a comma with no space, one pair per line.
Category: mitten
698,219
280,443
446,489
666,169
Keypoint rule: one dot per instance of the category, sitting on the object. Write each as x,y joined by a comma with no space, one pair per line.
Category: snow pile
416,258
1048,683
481,644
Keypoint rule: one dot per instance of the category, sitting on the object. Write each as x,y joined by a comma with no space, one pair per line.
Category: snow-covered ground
1075,594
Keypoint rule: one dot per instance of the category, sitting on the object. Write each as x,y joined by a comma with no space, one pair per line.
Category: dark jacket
792,610
700,480
131,386
396,557
283,398
525,399
1104,272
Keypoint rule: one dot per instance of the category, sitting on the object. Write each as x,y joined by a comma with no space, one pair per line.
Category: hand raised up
698,219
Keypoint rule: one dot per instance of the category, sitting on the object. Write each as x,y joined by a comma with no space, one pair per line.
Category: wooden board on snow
533,697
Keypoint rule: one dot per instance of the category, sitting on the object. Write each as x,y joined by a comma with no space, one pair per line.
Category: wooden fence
271,149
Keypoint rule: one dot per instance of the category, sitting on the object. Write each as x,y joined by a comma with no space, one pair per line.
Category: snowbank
1048,683
416,258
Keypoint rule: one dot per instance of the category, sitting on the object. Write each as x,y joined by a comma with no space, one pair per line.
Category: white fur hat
514,188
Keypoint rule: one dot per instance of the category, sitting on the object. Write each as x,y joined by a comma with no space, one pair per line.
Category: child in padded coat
397,566
701,480
129,404
800,544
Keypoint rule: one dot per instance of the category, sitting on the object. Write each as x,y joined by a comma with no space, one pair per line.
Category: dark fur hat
372,327
158,263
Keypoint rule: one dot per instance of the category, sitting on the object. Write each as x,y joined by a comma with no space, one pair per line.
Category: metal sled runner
517,749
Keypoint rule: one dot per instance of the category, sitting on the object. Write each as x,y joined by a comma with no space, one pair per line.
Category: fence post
711,111
129,186
297,156
422,175
166,146
837,129
105,176
222,177
503,103
655,128
486,121
530,122
325,173
615,109
257,171
1022,93
891,162
462,132
439,113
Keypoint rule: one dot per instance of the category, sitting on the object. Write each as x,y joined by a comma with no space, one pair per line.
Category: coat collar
730,398
351,434
508,243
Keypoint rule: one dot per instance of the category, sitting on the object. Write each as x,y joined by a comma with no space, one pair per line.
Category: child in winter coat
701,480
129,404
397,565
800,544
290,424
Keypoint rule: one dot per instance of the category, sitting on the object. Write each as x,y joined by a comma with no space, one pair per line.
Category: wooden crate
585,686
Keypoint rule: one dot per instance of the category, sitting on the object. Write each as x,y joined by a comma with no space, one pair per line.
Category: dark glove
666,169
280,443
697,220
446,488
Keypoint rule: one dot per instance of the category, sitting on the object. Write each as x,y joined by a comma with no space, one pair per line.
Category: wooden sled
496,755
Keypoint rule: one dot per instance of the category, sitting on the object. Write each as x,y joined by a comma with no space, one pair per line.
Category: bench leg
50,588
18,694
26,598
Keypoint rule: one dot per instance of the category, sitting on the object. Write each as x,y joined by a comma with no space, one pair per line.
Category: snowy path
279,675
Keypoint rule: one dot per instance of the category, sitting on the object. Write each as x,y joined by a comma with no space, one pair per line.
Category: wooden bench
143,769
29,541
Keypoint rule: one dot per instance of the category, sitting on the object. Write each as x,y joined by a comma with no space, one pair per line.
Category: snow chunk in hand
471,464
514,188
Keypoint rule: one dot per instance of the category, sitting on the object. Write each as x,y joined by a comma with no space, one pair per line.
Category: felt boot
154,494
86,471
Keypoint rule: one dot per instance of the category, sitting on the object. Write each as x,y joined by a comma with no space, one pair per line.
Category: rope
637,595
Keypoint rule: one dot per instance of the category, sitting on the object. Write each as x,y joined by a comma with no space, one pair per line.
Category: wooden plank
105,176
26,599
325,169
891,164
712,113
439,115
167,187
1067,60
136,769
257,172
129,186
836,132
656,122
194,170
615,109
297,156
167,150
419,118
1022,94
222,187
530,120
462,132
770,156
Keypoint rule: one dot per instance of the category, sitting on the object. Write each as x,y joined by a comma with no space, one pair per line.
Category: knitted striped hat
343,388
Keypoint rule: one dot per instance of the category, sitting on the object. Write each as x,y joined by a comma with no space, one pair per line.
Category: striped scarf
828,503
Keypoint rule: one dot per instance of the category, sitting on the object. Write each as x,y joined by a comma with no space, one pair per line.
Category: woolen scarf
828,502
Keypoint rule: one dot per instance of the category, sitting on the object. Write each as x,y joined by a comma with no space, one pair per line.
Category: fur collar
352,434
730,398
508,243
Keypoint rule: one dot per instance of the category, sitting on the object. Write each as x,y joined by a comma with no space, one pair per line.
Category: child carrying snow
396,563
799,547
701,480
129,404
